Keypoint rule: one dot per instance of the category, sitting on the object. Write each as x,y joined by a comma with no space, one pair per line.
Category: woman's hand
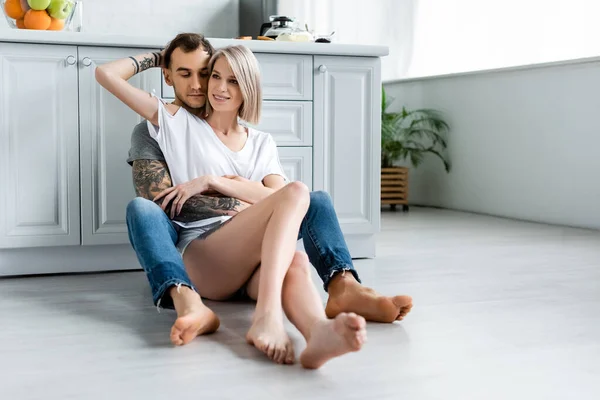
181,193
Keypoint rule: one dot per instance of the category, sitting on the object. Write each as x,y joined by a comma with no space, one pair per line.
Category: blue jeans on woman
154,236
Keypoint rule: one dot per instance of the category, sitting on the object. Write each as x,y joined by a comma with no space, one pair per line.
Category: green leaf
412,134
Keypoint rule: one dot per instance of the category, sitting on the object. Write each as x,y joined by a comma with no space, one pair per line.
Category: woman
254,252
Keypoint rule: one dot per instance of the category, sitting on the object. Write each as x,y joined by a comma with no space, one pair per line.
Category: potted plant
407,136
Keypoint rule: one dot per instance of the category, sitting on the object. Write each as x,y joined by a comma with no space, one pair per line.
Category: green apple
38,4
60,9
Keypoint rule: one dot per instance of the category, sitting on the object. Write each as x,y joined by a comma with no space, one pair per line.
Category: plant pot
394,187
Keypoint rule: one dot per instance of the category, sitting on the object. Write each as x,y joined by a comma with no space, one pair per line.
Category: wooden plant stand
394,187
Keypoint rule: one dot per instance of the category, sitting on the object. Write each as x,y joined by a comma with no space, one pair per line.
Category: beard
190,103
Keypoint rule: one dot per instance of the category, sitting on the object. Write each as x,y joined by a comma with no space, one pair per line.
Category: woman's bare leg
193,317
325,338
264,234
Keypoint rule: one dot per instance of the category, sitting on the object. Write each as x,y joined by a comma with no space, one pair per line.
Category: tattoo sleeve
146,61
150,177
136,65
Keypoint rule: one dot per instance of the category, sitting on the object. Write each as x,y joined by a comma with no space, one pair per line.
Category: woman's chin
221,107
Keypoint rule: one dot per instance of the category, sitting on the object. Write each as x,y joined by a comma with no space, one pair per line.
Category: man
154,236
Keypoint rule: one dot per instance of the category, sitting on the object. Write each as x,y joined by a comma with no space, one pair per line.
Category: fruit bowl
51,15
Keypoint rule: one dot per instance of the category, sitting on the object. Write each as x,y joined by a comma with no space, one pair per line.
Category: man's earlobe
167,76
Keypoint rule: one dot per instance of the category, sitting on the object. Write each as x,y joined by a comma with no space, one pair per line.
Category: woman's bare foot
193,322
268,335
347,295
332,338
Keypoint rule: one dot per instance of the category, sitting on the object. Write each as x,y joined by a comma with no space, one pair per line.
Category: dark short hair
187,42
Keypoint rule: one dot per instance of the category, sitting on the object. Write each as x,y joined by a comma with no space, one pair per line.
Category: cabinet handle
71,60
322,69
86,61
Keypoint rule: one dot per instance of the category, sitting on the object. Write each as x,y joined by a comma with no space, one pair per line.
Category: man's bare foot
268,335
193,322
332,338
347,295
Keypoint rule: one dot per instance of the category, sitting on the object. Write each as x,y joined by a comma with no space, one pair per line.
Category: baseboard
77,259
67,259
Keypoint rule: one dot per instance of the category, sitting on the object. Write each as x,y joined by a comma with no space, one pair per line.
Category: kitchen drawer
286,76
297,164
283,76
290,122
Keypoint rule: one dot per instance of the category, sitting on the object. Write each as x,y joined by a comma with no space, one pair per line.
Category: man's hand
150,177
181,193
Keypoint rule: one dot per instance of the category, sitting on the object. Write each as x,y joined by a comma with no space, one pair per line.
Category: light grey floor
503,310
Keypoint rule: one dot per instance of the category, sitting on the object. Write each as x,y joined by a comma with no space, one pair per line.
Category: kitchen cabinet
39,146
105,130
347,122
64,141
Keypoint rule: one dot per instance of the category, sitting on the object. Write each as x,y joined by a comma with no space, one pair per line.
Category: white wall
523,143
433,37
382,22
468,35
214,18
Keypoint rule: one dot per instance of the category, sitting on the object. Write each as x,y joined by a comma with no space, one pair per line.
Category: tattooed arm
114,76
150,177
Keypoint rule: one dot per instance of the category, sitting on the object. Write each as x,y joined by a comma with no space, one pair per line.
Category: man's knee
320,199
142,208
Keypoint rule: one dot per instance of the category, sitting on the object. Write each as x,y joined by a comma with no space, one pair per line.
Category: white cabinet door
347,104
39,149
297,164
106,125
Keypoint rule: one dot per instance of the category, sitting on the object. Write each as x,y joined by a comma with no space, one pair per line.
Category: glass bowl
52,15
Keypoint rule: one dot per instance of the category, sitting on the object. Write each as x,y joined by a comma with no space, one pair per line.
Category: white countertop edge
259,46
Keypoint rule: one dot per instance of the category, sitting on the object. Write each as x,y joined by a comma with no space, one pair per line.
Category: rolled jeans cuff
336,270
162,301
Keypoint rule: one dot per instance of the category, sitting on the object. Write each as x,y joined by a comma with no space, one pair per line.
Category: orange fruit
20,24
35,19
56,24
13,9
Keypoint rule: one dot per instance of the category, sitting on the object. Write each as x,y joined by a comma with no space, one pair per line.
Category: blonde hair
245,67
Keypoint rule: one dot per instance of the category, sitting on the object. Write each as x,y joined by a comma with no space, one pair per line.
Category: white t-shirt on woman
192,149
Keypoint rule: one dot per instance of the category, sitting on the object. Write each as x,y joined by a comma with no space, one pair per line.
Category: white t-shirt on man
192,149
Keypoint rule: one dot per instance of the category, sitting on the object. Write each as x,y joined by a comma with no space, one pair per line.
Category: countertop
259,46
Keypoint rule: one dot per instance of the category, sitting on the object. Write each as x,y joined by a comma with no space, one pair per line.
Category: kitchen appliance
278,24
